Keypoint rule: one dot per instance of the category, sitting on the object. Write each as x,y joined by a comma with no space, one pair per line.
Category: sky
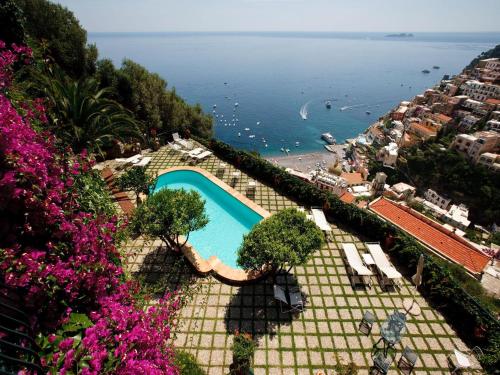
286,15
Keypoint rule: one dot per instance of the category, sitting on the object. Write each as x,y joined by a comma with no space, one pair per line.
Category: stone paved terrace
317,339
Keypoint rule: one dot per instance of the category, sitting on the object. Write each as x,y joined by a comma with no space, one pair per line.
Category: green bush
243,351
187,365
472,319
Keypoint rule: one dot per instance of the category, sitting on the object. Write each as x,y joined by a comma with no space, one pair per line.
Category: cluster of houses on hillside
469,103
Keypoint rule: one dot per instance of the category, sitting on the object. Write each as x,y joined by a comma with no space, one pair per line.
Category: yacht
328,138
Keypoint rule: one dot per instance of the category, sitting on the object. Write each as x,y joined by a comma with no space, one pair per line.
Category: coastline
307,161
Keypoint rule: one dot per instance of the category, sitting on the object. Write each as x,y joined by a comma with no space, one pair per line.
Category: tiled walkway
324,334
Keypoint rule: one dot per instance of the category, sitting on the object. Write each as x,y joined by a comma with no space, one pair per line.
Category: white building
457,216
480,90
436,199
401,191
389,154
327,181
468,122
490,160
476,144
493,125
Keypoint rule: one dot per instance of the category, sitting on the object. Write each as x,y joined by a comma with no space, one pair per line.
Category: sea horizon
275,76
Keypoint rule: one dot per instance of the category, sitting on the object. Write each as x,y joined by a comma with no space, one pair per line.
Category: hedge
473,321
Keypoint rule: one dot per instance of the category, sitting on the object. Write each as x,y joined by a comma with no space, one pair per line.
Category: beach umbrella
417,278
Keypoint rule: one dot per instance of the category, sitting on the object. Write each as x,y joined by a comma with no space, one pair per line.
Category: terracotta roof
422,128
492,101
347,197
431,235
443,118
353,178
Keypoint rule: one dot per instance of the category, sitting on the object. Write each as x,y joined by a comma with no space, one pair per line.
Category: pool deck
214,264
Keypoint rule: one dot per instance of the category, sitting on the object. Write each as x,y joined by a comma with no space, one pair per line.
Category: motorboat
328,138
328,104
426,71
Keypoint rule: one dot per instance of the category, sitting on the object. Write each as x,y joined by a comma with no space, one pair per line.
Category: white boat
247,129
251,136
265,145
282,149
258,122
297,144
236,104
344,108
328,138
215,105
330,148
239,134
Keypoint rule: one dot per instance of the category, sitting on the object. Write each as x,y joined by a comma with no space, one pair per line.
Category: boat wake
303,111
351,106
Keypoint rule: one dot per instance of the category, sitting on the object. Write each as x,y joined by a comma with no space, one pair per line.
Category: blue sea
276,77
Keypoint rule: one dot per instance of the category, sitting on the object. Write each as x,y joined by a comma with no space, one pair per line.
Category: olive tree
285,238
170,215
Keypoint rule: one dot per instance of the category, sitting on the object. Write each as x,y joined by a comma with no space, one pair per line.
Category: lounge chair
201,156
143,162
221,170
182,142
289,302
196,151
128,161
357,271
320,220
388,275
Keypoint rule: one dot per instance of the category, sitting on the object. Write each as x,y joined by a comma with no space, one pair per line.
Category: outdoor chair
407,361
289,302
381,364
143,163
366,324
388,275
461,361
251,188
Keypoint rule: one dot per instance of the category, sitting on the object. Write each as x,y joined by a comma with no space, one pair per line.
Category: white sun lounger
359,272
142,163
128,161
203,155
320,220
195,152
388,275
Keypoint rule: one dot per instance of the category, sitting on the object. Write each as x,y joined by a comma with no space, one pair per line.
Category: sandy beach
307,161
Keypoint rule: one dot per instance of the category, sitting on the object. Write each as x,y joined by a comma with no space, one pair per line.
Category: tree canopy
12,23
285,238
59,33
169,214
146,94
136,180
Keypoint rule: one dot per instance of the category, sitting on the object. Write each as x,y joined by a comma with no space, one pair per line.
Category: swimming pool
229,218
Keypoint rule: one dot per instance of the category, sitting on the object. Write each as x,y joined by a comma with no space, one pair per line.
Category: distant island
400,35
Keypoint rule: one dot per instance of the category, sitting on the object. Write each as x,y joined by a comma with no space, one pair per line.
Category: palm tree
84,116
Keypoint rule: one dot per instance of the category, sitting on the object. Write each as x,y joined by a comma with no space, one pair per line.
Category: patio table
392,330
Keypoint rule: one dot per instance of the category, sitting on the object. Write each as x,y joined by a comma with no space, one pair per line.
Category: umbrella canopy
417,278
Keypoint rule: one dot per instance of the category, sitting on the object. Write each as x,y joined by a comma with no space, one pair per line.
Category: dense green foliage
169,214
146,94
93,195
59,33
84,116
12,23
187,365
472,319
66,68
136,180
286,237
490,54
451,174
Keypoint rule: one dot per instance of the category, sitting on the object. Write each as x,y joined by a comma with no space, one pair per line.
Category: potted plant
243,351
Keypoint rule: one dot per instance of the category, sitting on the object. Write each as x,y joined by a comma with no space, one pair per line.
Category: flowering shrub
63,261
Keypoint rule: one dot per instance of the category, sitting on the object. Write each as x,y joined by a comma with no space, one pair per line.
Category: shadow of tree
254,310
164,270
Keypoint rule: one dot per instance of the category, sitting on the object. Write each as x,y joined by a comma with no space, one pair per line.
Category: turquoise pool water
229,218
